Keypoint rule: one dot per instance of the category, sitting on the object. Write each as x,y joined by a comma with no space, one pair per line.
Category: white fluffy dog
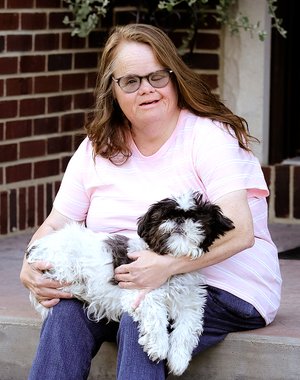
170,318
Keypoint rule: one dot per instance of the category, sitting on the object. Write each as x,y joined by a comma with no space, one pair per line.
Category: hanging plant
87,16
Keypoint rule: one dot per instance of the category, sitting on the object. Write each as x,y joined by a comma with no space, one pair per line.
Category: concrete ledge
247,356
271,353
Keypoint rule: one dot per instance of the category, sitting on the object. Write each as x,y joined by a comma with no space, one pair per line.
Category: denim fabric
69,340
225,313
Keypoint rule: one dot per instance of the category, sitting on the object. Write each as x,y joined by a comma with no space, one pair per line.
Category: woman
157,131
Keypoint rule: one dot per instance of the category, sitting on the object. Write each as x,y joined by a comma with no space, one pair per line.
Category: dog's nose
178,229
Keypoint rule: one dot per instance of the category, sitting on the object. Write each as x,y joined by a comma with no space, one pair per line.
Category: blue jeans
69,340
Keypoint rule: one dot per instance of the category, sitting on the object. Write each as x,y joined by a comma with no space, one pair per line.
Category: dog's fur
170,318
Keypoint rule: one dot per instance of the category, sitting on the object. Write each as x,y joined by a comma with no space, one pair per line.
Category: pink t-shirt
200,155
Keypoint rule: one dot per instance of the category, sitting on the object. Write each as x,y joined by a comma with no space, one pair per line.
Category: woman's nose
145,86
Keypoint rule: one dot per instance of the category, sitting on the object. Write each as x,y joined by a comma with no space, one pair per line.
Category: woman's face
148,104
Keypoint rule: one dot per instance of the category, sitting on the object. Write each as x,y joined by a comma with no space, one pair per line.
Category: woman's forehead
135,58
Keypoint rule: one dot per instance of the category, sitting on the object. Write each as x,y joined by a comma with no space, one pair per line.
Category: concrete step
271,353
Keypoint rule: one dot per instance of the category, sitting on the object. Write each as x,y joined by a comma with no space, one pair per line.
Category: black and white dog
170,318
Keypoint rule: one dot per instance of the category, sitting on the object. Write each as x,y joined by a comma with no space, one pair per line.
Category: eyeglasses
131,83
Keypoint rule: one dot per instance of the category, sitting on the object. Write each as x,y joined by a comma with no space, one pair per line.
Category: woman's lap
69,340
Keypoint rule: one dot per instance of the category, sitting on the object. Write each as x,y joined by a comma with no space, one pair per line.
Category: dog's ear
154,216
142,224
221,223
216,226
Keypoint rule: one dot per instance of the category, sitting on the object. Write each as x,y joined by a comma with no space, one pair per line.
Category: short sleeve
72,199
224,166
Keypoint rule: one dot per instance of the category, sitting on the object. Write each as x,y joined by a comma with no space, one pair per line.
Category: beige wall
246,75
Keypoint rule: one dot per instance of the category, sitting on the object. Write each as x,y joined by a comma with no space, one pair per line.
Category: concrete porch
271,353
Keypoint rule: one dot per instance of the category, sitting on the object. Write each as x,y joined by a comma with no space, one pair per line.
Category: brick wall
284,185
47,79
46,86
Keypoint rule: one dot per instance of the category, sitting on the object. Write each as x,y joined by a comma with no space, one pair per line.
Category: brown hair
109,129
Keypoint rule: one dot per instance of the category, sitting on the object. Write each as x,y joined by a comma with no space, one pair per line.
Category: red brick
84,100
59,62
46,168
49,197
48,3
59,144
12,210
267,174
73,81
46,125
32,63
2,43
33,21
59,103
3,213
8,152
1,87
56,186
35,106
97,39
207,41
8,65
56,20
46,84
123,17
1,175
20,3
1,131
92,80
22,204
296,192
18,128
64,164
72,122
9,21
204,61
282,191
18,86
31,206
8,108
34,148
78,138
40,204
19,42
72,42
18,172
86,60
46,42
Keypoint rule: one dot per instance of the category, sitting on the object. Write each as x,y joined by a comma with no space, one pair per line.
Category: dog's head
183,225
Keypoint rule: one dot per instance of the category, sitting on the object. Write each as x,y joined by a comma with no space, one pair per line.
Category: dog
170,318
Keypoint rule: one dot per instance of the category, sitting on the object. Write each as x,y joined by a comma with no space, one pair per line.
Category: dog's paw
196,253
178,360
156,348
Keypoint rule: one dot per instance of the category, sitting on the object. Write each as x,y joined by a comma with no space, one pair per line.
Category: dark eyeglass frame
148,77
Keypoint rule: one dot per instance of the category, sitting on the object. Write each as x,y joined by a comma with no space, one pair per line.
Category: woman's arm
150,270
46,291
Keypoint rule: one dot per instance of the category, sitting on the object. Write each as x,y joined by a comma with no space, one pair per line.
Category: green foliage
225,15
87,16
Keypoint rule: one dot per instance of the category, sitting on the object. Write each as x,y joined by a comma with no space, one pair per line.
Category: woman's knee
127,327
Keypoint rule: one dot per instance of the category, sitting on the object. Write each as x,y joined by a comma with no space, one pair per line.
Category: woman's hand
148,271
45,290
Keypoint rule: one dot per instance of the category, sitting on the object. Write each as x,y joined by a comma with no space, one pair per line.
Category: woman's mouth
150,102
